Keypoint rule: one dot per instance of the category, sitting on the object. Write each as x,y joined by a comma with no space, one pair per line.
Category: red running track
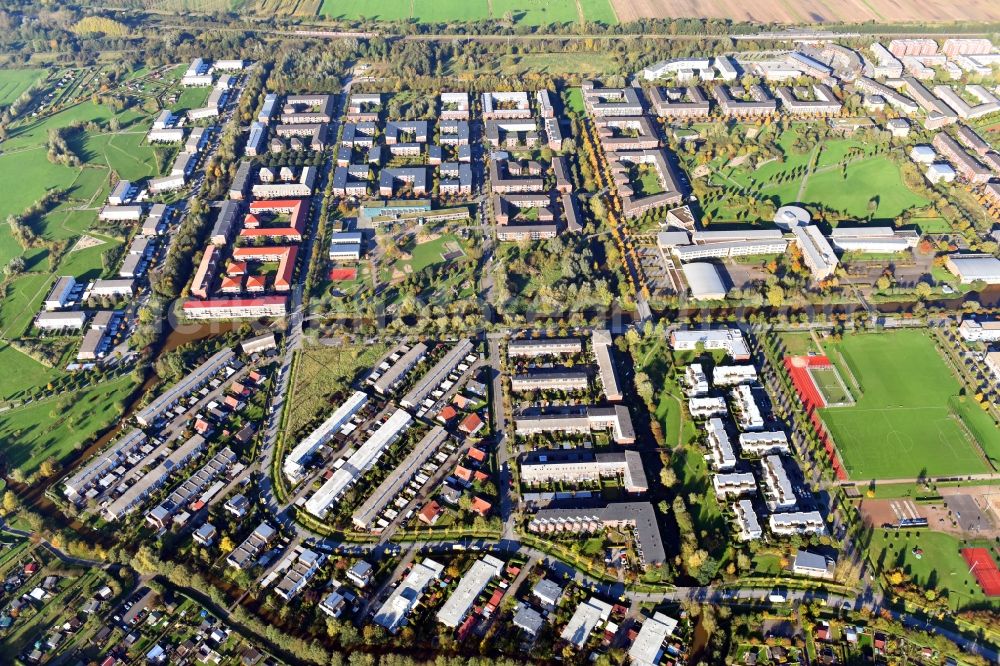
798,370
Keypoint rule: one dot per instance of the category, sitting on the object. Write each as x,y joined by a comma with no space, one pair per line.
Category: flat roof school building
729,339
974,267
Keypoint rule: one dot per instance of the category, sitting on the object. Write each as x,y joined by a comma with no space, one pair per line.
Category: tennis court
343,274
984,568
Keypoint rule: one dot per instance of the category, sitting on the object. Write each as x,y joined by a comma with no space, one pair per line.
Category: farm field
810,11
524,12
940,566
13,82
54,427
904,423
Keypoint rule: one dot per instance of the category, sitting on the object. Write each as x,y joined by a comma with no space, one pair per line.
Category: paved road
500,427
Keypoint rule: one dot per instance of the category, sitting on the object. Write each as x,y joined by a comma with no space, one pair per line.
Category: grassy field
903,425
875,177
797,344
868,177
13,82
320,373
537,12
20,372
830,386
570,62
451,277
940,567
55,427
525,12
932,225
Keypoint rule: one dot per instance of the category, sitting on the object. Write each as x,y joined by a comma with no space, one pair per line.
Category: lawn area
20,372
86,264
940,567
191,98
36,132
21,302
126,153
867,178
13,82
654,359
932,225
649,182
875,177
574,100
904,424
798,344
526,12
35,176
57,426
322,373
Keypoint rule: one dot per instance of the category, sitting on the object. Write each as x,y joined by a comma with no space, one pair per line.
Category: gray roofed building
471,586
415,177
811,564
437,374
544,346
226,223
401,474
51,321
601,341
528,619
241,181
548,592
974,267
193,380
148,483
584,620
641,516
391,377
394,611
647,649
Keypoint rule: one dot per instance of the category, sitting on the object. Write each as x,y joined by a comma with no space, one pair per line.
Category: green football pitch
907,420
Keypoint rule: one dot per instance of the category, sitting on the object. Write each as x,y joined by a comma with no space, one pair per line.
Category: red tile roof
477,454
447,414
481,506
463,473
430,513
471,424
231,284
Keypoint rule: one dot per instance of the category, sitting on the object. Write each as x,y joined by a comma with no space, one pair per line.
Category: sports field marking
903,424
